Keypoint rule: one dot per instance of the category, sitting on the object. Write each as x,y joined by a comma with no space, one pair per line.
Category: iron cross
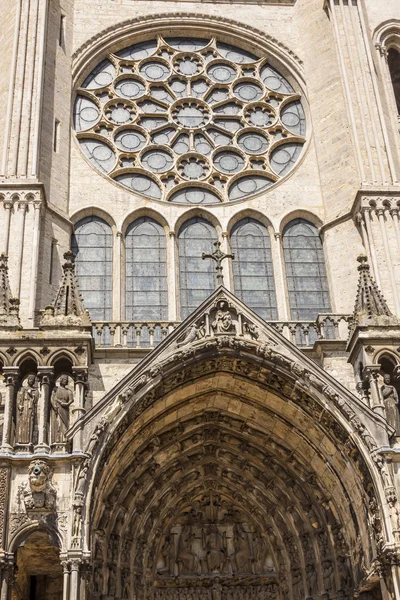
218,256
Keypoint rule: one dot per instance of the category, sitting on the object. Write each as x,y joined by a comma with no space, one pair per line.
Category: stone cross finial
218,256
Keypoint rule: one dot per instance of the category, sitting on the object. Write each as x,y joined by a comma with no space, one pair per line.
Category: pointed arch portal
233,472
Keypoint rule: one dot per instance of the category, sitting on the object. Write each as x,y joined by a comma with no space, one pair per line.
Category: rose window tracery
189,121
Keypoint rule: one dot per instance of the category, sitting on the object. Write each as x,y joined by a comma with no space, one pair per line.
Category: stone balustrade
147,335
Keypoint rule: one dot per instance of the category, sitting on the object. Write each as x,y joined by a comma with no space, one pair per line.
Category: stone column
22,208
368,224
80,375
280,278
11,375
35,259
226,265
7,221
45,377
381,219
376,400
74,580
171,277
66,572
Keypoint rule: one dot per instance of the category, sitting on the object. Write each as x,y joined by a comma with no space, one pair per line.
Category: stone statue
166,551
223,322
27,400
61,399
312,580
242,557
215,545
186,559
391,402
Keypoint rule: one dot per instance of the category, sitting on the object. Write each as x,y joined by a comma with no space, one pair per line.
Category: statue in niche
243,560
186,559
391,402
61,399
215,545
223,321
27,400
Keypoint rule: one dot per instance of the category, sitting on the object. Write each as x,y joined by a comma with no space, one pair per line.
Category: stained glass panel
252,267
305,271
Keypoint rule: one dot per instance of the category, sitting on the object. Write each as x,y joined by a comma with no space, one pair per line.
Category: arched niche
38,571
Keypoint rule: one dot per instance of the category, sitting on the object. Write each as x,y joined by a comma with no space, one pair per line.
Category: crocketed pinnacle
9,306
370,305
67,308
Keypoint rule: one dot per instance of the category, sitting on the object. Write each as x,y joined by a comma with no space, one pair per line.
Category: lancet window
146,271
253,274
196,276
394,68
307,282
92,243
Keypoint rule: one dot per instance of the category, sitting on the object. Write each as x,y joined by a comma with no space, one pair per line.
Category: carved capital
11,375
381,49
45,375
80,374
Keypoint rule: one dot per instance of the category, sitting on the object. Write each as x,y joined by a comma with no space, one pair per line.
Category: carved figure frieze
211,537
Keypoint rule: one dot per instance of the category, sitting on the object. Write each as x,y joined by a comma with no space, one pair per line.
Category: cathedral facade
200,300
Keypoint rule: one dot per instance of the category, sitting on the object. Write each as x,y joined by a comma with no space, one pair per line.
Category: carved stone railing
147,335
330,327
131,334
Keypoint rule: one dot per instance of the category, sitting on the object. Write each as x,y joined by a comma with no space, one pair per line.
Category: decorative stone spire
370,307
9,307
67,310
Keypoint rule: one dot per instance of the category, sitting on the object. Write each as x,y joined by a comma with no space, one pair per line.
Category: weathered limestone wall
9,18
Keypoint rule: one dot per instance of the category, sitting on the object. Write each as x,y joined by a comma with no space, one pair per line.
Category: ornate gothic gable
223,324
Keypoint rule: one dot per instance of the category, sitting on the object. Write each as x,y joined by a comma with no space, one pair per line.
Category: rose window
189,121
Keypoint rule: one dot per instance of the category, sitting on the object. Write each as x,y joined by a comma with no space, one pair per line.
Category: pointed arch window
92,243
146,271
394,68
197,276
305,271
252,267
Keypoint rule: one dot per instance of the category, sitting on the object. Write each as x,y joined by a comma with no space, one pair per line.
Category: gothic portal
200,300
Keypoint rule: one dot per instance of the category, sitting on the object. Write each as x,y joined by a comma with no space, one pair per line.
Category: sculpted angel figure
61,399
27,400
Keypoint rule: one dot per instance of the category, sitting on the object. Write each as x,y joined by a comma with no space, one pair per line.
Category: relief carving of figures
223,321
312,580
61,399
243,559
345,573
27,399
187,559
112,582
391,402
167,555
98,579
297,583
328,575
215,545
